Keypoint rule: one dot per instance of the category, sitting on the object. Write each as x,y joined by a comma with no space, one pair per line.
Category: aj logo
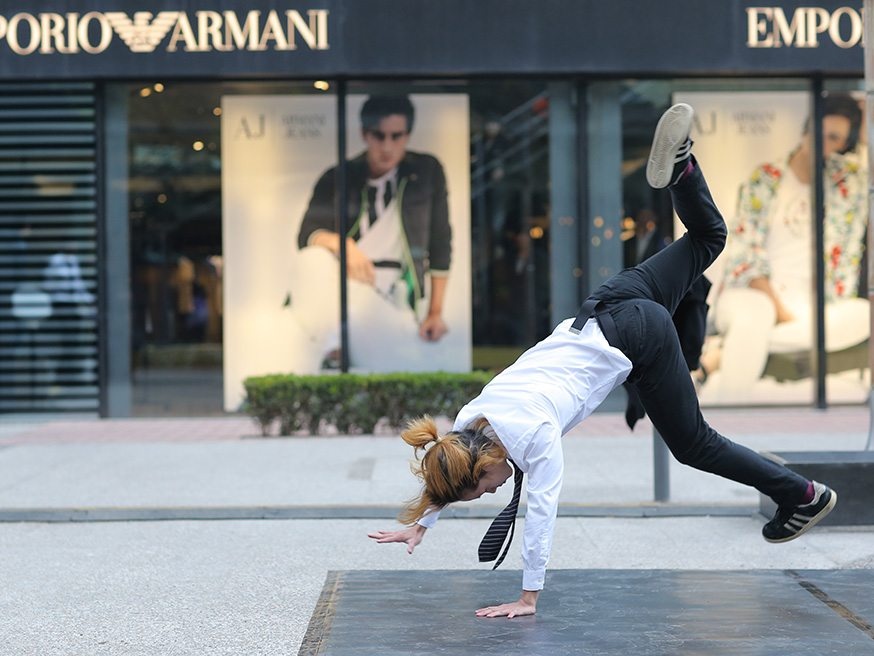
700,127
142,34
247,130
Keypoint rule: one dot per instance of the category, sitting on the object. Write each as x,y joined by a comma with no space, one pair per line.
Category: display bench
849,473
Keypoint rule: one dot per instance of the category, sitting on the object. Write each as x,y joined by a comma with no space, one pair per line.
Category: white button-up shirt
551,388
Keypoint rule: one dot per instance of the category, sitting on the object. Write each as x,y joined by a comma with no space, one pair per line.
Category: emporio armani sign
804,27
200,31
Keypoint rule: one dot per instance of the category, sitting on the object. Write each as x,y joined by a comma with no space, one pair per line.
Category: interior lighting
197,145
321,85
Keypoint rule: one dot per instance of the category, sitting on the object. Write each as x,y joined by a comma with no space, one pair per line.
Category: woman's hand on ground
411,536
526,605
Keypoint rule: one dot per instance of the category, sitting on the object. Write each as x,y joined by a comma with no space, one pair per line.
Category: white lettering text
769,27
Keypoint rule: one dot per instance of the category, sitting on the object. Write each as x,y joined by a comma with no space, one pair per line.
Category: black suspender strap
593,306
587,309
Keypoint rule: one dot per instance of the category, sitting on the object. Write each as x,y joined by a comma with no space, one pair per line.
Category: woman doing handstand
624,331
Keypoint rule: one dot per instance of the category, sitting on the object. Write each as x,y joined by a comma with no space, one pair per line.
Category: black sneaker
791,521
671,147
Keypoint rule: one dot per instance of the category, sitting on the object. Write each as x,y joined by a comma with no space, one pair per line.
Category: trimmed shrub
355,403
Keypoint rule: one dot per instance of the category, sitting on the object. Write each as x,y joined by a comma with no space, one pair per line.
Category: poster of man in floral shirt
764,301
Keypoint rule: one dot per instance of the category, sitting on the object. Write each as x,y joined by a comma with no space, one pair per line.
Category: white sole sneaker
811,522
670,135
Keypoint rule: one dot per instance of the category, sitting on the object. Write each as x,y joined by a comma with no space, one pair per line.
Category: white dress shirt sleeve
429,519
545,470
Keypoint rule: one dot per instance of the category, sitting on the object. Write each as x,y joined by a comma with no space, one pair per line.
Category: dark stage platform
617,612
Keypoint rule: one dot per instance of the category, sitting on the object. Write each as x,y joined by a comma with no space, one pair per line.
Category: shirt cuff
532,579
430,519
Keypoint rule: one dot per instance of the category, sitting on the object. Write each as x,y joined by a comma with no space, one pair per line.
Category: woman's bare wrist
530,596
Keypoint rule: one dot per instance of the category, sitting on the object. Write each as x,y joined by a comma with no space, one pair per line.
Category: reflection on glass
754,141
764,315
177,260
399,244
510,212
761,322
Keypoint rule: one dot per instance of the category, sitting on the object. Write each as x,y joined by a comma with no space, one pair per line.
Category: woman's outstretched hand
527,605
412,536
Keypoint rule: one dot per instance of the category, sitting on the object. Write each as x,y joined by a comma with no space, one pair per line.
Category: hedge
355,403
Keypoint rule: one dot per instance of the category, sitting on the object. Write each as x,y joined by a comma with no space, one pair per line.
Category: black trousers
641,301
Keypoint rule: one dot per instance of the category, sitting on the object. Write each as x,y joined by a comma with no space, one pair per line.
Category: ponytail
420,432
450,464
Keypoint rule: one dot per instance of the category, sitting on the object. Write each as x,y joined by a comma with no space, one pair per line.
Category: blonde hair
449,464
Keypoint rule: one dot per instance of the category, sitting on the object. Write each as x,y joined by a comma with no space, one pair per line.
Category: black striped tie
504,523
372,216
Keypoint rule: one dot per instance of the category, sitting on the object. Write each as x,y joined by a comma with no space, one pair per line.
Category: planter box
849,473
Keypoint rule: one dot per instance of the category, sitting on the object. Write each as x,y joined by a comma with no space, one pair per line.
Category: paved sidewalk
224,463
31,429
122,588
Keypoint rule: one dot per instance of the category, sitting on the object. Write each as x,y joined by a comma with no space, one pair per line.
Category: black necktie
371,205
372,213
504,523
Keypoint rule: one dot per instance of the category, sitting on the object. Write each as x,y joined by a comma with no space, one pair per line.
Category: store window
511,215
195,155
234,234
234,231
755,144
485,282
845,240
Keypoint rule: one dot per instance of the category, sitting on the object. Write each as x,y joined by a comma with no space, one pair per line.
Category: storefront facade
162,188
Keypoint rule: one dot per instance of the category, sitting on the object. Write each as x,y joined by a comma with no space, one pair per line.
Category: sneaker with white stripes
791,521
671,147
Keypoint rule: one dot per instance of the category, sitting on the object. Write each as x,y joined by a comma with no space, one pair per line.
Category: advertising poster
756,150
409,258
